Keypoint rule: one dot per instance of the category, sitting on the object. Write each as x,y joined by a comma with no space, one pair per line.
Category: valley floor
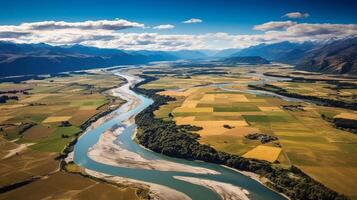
220,101
44,116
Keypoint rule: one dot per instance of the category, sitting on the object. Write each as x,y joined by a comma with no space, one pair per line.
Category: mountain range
282,52
21,59
334,56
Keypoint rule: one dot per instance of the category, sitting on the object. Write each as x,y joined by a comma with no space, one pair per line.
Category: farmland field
36,128
227,110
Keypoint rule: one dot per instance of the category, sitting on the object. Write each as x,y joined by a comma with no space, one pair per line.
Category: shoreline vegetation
167,138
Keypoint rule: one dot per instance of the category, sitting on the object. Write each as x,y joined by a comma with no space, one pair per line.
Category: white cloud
106,36
306,32
117,24
192,21
274,25
296,15
164,26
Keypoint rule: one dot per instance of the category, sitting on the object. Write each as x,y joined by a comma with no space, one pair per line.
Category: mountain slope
23,59
277,51
337,57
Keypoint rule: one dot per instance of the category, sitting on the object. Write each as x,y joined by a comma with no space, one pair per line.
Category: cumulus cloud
108,36
149,41
274,25
117,24
296,15
311,32
164,26
192,21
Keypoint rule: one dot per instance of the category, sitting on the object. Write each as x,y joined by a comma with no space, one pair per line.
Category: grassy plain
305,140
33,135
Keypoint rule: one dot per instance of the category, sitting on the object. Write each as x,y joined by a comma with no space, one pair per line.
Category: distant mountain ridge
24,59
333,56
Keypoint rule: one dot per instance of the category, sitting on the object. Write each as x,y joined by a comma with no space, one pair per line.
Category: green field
308,141
33,135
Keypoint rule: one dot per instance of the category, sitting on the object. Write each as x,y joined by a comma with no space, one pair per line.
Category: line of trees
167,138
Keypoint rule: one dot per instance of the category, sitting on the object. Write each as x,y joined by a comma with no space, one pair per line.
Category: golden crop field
306,139
262,152
56,119
347,116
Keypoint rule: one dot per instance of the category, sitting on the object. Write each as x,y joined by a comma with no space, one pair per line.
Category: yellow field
35,98
11,106
4,118
56,119
208,98
269,108
262,152
189,104
307,140
178,93
347,116
194,110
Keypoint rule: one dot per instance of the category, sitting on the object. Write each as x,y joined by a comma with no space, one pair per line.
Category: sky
175,25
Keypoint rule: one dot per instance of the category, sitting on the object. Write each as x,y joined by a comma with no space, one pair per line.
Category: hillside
282,51
21,59
334,57
337,57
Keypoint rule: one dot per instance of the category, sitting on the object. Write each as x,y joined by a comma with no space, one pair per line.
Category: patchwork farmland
227,115
35,129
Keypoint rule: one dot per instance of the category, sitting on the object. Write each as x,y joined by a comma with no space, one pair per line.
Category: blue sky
230,17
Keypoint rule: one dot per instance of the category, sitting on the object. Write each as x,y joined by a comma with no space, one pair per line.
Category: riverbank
108,151
112,137
157,192
225,190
